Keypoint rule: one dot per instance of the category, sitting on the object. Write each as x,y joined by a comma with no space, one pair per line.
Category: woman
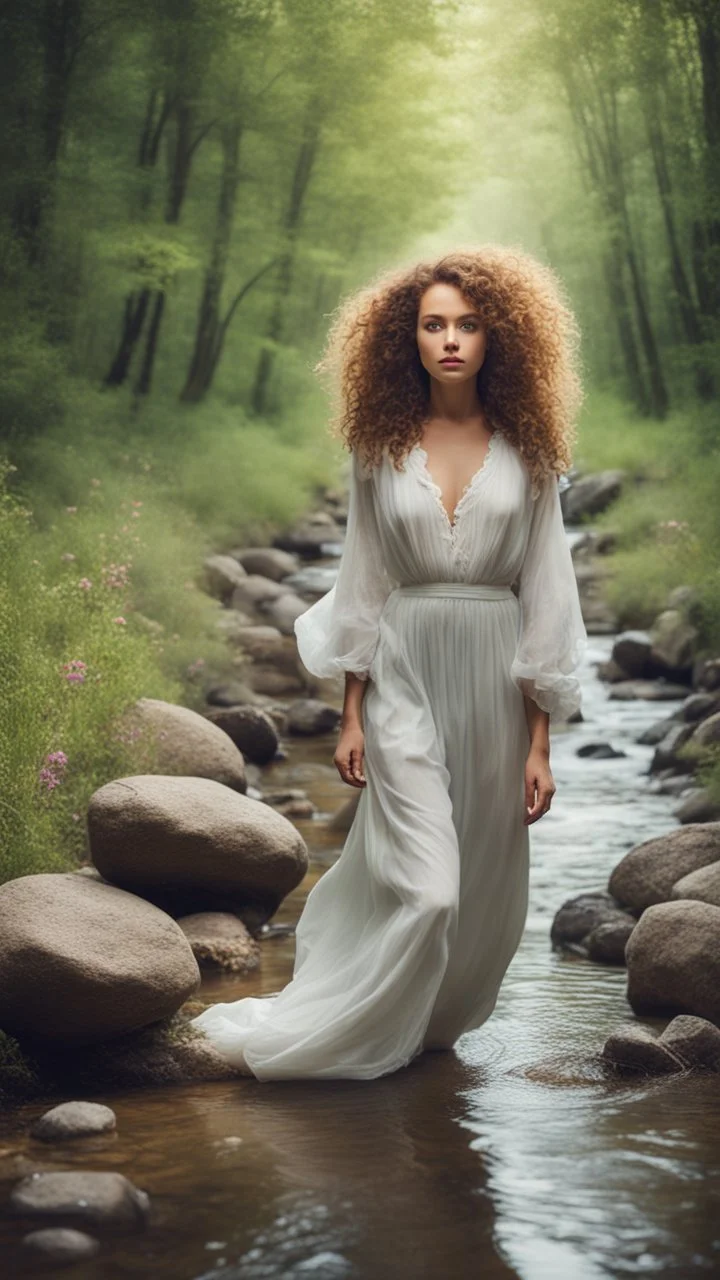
458,393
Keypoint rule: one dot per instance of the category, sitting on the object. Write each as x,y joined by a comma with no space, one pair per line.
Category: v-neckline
426,476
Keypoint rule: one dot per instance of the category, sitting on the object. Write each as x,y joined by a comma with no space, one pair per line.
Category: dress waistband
471,590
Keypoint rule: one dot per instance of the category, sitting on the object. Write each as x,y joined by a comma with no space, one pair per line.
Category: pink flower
120,621
136,504
85,584
74,671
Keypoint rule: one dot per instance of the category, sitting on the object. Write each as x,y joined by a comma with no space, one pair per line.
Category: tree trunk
283,283
204,357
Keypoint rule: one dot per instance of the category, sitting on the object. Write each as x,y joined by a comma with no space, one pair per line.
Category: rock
647,873
651,690
634,1049
186,744
579,916
599,751
657,732
266,562
674,642
673,960
667,753
343,818
707,733
591,494
310,539
706,673
231,694
698,706
702,885
309,716
60,1245
683,598
252,730
610,671
253,590
695,1041
606,943
220,940
73,1120
232,623
272,683
631,652
194,845
84,1197
698,806
283,611
82,961
222,575
670,784
260,642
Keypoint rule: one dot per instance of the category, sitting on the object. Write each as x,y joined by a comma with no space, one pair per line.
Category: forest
191,187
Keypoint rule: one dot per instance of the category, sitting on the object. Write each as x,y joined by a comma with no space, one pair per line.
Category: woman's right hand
350,755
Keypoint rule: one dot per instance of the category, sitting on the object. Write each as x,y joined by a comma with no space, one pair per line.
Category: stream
510,1156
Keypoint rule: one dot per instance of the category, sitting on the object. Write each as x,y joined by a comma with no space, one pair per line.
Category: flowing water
509,1156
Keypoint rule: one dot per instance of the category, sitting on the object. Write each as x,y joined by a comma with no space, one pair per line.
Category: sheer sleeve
552,635
339,632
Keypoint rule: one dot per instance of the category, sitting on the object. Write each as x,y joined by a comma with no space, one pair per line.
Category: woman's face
448,326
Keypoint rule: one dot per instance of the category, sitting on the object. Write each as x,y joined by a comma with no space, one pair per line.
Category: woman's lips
452,360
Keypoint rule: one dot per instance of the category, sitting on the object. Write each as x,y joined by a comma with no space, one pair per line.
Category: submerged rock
74,1120
84,1197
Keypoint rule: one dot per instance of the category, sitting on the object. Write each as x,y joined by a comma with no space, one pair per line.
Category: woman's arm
349,758
539,783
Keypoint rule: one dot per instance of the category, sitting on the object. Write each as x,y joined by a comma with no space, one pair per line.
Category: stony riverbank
659,913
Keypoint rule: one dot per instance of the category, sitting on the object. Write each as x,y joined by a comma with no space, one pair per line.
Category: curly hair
529,384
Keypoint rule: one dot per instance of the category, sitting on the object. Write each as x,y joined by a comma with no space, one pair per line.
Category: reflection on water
511,1156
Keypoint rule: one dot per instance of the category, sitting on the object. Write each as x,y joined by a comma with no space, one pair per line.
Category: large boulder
190,844
647,873
702,885
82,961
185,743
673,960
591,494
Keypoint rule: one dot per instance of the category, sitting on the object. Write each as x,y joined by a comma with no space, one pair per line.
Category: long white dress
404,941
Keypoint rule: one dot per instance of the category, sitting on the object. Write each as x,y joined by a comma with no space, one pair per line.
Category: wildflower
136,515
75,817
50,775
95,483
135,503
85,584
120,621
71,510
74,671
67,555
195,667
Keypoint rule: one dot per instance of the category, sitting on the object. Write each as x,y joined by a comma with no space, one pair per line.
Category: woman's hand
349,755
539,785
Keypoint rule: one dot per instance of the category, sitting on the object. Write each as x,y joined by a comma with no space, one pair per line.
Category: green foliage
667,521
72,659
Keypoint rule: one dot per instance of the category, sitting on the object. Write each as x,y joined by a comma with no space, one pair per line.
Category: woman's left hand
539,786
